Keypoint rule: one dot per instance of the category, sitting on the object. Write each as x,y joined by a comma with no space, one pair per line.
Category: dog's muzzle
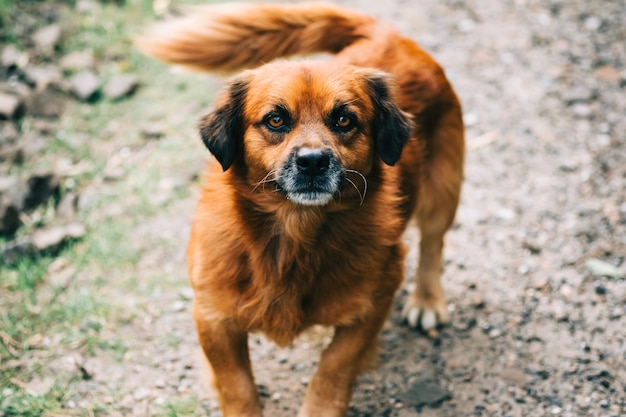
311,176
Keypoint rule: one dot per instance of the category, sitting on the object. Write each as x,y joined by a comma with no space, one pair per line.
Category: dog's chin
310,198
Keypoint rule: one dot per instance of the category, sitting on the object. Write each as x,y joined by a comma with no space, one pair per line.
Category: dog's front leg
226,348
351,350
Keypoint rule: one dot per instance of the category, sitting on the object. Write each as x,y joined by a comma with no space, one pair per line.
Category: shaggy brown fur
325,163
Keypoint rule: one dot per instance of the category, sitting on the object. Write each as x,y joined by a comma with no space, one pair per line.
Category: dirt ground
534,331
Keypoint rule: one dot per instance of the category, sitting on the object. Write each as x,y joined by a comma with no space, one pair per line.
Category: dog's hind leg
439,193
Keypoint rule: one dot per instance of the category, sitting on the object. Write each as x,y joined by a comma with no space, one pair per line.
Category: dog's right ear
222,128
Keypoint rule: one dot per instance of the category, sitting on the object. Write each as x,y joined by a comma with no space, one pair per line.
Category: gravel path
538,329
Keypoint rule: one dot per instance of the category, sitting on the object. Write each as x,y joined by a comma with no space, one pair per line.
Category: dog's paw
427,314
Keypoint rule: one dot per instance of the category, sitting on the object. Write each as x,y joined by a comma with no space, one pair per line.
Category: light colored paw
427,315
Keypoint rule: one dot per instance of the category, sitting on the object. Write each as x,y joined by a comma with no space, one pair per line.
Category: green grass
75,302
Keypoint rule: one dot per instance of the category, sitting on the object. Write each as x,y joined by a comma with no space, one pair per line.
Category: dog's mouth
311,177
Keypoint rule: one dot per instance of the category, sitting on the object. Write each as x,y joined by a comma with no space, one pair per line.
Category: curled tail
235,36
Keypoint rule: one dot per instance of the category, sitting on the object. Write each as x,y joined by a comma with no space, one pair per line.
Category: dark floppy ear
223,127
392,126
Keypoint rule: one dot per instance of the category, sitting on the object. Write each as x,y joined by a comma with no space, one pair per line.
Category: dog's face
312,130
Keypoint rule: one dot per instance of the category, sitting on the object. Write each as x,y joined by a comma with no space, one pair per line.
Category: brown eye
276,122
343,121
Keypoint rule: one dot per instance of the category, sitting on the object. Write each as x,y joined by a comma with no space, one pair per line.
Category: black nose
312,162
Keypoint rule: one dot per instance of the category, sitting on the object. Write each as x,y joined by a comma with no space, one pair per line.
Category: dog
321,166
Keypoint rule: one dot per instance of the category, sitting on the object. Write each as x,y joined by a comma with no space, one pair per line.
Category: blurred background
99,166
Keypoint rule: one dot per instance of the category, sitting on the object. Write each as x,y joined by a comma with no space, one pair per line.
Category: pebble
47,103
425,392
51,239
581,110
153,131
77,61
120,86
10,106
40,76
47,38
85,85
10,57
142,394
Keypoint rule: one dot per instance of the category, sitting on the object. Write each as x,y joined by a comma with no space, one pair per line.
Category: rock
85,85
16,89
581,110
16,249
47,103
40,76
8,133
580,94
425,392
40,188
153,131
51,239
77,61
120,86
47,38
11,106
10,57
66,209
515,376
601,268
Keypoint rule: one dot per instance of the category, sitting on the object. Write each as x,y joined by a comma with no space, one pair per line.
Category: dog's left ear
392,126
222,128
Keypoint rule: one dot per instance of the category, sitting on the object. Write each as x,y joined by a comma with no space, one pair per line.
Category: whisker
266,179
357,189
364,183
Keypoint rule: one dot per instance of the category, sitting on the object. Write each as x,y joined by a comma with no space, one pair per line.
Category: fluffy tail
235,36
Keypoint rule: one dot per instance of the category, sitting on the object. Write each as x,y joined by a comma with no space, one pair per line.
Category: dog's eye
343,121
275,121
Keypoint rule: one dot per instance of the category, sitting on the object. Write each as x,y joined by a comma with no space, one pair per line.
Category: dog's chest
296,287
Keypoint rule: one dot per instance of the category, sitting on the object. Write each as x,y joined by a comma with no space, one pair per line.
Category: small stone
515,376
186,293
582,110
10,57
51,239
153,131
142,394
601,268
8,132
77,61
120,86
607,73
178,306
11,106
425,392
47,38
580,94
593,23
41,76
556,410
66,209
600,289
47,103
16,249
85,85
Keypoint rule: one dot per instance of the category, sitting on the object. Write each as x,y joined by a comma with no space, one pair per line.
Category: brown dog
325,163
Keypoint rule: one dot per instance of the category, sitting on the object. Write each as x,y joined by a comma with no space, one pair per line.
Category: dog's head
313,130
